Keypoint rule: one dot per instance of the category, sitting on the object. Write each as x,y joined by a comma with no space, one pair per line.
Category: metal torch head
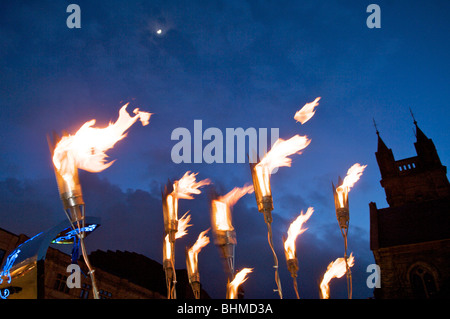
225,237
341,205
167,264
292,263
261,186
193,274
167,253
170,211
69,188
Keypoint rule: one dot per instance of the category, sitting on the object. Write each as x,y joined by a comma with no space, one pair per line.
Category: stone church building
410,239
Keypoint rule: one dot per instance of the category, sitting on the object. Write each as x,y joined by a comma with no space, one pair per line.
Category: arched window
423,281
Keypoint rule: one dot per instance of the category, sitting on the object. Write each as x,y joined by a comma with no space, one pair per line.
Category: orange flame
183,188
295,229
239,279
193,252
306,112
172,206
167,248
187,185
277,157
353,175
335,269
183,224
221,207
86,149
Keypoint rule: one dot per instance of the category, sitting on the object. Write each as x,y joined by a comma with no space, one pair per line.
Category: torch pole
173,291
88,264
343,219
226,241
292,265
267,211
71,196
76,212
348,271
193,276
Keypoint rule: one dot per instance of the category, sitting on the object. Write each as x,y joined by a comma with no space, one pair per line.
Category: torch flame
167,249
193,252
183,224
306,112
86,149
183,188
353,175
223,204
295,229
187,185
335,269
239,279
277,157
172,206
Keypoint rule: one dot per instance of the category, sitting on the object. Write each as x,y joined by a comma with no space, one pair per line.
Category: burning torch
169,256
295,229
170,212
224,233
276,157
86,150
183,188
240,278
340,194
72,198
192,262
336,269
263,194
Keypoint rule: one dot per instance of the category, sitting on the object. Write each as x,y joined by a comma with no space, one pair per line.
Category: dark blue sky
230,64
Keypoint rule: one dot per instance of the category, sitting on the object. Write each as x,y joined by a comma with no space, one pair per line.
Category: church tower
410,239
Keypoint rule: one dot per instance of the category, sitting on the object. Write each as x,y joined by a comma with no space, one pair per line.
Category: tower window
60,283
423,282
84,293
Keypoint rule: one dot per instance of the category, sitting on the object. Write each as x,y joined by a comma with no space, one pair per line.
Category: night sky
230,64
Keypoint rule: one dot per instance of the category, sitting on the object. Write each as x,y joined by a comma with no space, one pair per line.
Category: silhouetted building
119,275
410,239
142,271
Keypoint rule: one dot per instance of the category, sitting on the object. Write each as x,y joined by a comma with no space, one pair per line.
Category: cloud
132,220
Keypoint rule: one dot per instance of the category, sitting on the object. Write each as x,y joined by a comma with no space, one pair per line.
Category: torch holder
194,280
168,269
74,205
171,229
292,265
343,217
226,241
265,206
167,264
